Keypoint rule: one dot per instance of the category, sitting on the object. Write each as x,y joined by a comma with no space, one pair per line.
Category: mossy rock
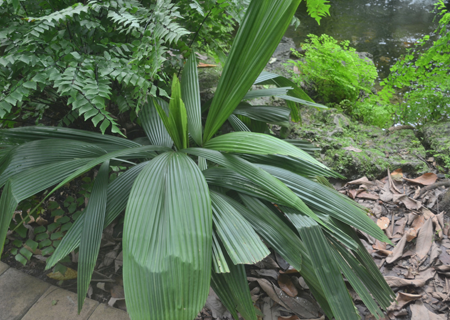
437,137
355,150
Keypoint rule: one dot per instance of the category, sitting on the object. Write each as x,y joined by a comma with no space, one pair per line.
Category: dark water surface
384,28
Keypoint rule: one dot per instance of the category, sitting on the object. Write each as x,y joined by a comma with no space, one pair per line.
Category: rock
355,150
437,137
281,55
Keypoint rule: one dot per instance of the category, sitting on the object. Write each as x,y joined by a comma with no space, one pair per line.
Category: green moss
379,150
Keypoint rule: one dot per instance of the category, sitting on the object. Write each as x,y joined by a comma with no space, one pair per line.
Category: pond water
384,28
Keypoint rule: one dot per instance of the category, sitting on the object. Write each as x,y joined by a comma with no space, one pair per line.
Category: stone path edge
31,298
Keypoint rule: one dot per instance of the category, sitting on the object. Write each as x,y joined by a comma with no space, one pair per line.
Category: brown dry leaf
300,306
402,300
425,239
409,203
352,149
386,196
296,70
201,56
425,179
118,262
353,193
289,271
41,221
369,196
36,251
379,245
398,251
392,186
206,65
418,282
359,181
420,312
411,234
435,253
70,274
383,223
110,257
399,227
285,283
117,291
430,215
397,175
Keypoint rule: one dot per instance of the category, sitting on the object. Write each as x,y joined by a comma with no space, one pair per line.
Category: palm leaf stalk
196,214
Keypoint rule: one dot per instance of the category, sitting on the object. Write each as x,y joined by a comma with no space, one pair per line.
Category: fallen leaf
41,221
300,306
399,227
425,179
402,300
425,239
397,175
435,253
418,282
398,251
392,186
201,56
379,245
206,65
68,275
353,193
383,223
420,312
271,273
369,196
352,149
386,196
117,291
409,203
411,234
359,181
118,262
285,283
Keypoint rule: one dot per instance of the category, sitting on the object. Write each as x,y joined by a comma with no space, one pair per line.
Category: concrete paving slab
18,292
3,267
105,312
59,304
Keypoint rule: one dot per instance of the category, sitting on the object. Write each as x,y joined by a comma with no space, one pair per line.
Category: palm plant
200,205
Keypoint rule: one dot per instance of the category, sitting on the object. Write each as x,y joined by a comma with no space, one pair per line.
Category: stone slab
18,292
104,312
3,267
60,304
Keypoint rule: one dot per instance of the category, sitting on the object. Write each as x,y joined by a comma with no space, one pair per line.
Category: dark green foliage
97,59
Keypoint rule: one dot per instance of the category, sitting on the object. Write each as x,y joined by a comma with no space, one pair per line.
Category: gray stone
18,292
60,304
104,312
3,267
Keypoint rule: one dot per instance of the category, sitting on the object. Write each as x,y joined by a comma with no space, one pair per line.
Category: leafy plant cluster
419,82
200,203
99,58
334,68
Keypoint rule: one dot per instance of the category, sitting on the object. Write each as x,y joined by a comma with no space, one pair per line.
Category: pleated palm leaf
195,215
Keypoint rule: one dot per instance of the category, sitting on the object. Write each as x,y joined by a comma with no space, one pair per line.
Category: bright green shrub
334,68
421,79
